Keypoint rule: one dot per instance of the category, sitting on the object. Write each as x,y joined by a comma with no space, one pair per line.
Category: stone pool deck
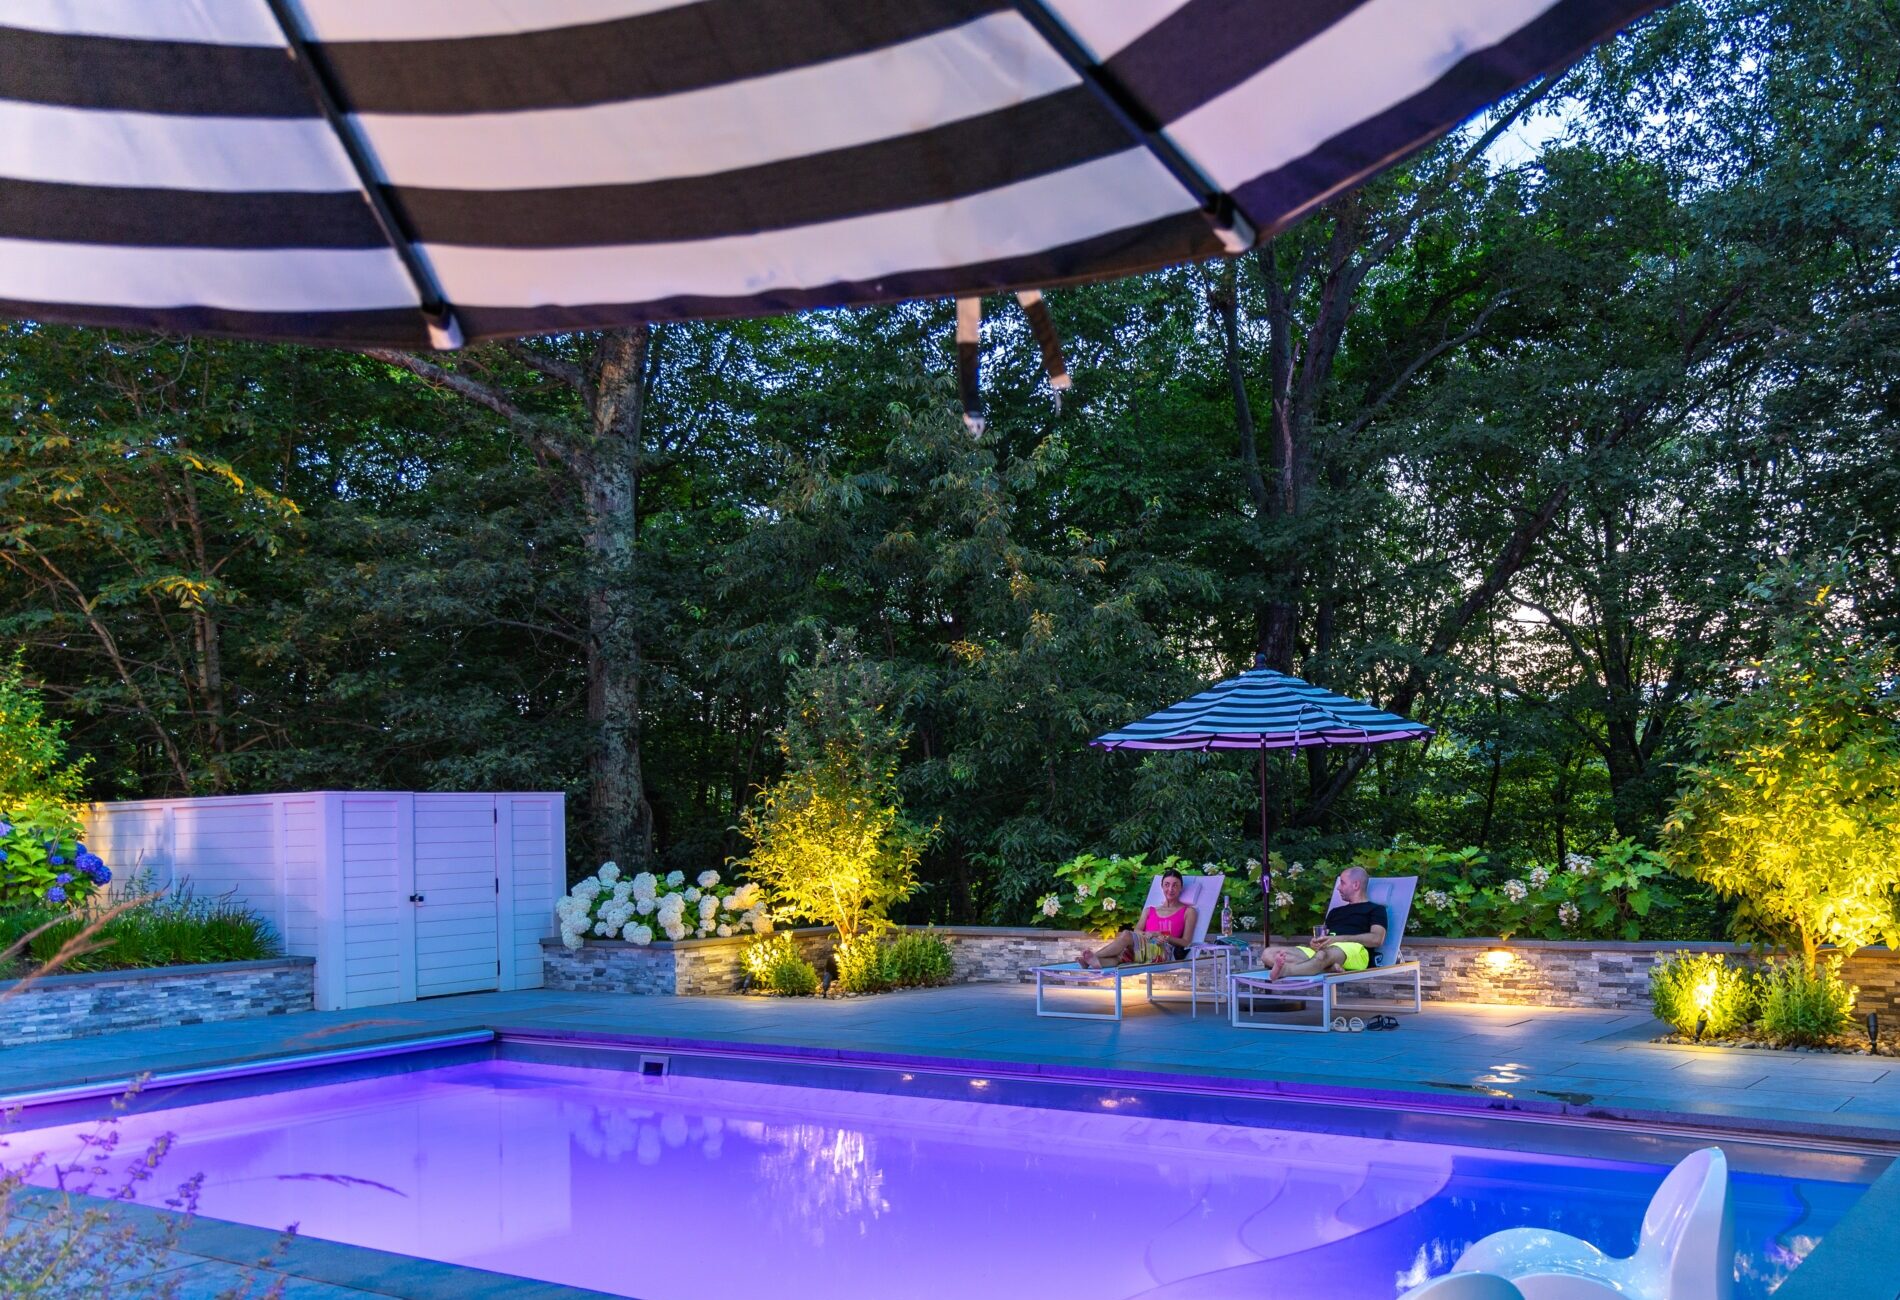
1574,1062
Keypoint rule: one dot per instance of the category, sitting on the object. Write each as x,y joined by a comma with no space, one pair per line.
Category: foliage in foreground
867,964
1802,1004
1105,894
1624,891
775,966
643,906
1697,993
830,841
176,929
1785,1002
1793,805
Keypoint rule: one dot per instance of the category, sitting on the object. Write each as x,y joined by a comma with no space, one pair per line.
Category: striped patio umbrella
417,173
1261,710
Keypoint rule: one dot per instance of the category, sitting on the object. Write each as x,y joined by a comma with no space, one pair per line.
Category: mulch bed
1851,1044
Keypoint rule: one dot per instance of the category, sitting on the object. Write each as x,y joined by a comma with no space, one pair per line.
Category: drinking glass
1319,932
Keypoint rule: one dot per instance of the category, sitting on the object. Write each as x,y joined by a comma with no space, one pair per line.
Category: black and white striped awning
356,171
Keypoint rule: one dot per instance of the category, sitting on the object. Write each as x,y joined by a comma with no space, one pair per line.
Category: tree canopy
1500,440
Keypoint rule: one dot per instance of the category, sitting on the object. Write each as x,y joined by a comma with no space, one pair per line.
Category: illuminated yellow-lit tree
1793,805
830,841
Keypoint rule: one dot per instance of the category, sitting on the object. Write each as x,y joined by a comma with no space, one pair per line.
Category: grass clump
174,929
1691,990
1804,1007
773,962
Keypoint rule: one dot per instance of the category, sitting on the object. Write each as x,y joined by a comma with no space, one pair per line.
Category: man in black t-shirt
1354,928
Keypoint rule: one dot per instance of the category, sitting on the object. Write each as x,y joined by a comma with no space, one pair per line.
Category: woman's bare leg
1112,953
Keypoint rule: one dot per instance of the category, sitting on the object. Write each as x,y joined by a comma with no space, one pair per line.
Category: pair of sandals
1353,1025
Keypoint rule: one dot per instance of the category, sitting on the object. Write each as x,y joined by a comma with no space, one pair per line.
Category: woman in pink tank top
1169,923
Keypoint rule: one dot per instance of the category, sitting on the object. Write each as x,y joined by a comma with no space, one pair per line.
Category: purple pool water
696,1188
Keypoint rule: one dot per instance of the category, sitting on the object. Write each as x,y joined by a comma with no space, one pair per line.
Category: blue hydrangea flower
79,848
6,828
64,878
89,862
103,875
54,894
55,860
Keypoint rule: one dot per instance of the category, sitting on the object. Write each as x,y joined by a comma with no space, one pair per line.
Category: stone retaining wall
79,1006
1601,974
978,954
689,968
1522,972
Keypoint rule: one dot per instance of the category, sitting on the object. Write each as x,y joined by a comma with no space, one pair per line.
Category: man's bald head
1352,884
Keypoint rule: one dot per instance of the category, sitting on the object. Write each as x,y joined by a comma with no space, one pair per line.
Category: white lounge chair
1395,894
1202,893
1686,1250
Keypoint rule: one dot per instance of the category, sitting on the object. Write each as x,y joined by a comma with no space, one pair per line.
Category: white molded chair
1686,1250
1202,893
1465,1286
1394,893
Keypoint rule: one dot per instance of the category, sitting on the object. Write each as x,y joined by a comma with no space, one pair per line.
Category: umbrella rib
444,331
1230,224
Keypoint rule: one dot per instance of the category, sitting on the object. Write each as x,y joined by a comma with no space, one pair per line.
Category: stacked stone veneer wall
978,954
78,1006
1608,976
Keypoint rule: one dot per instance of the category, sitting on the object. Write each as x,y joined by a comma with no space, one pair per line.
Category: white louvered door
456,901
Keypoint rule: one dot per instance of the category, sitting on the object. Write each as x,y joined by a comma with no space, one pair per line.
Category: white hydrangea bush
644,907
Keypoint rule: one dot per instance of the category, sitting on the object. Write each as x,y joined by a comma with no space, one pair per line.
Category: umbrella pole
1266,860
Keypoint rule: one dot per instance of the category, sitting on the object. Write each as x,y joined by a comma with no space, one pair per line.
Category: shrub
861,965
773,962
1103,894
918,959
1691,990
830,839
642,907
1802,1006
1793,805
42,859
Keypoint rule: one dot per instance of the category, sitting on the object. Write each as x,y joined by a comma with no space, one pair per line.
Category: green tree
33,764
1793,804
830,841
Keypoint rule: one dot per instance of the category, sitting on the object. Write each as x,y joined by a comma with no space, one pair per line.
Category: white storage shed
397,895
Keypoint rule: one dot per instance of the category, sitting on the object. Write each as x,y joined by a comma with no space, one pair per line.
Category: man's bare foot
1087,960
1279,964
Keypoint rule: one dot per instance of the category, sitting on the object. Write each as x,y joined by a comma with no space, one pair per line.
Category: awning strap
970,353
969,357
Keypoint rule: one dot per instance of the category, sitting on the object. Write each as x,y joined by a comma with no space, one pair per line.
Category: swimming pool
716,1176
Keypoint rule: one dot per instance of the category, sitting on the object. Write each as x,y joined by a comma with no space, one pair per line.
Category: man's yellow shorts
1357,958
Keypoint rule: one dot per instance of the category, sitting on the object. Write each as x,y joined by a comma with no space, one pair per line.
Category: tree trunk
610,486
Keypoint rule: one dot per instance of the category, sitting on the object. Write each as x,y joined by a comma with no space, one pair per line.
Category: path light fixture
1873,1032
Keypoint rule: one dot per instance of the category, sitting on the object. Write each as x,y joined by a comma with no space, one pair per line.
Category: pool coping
1865,1244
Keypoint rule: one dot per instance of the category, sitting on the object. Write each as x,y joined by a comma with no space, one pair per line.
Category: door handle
415,898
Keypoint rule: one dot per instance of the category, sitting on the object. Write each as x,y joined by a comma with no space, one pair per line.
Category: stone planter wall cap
1605,945
50,982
